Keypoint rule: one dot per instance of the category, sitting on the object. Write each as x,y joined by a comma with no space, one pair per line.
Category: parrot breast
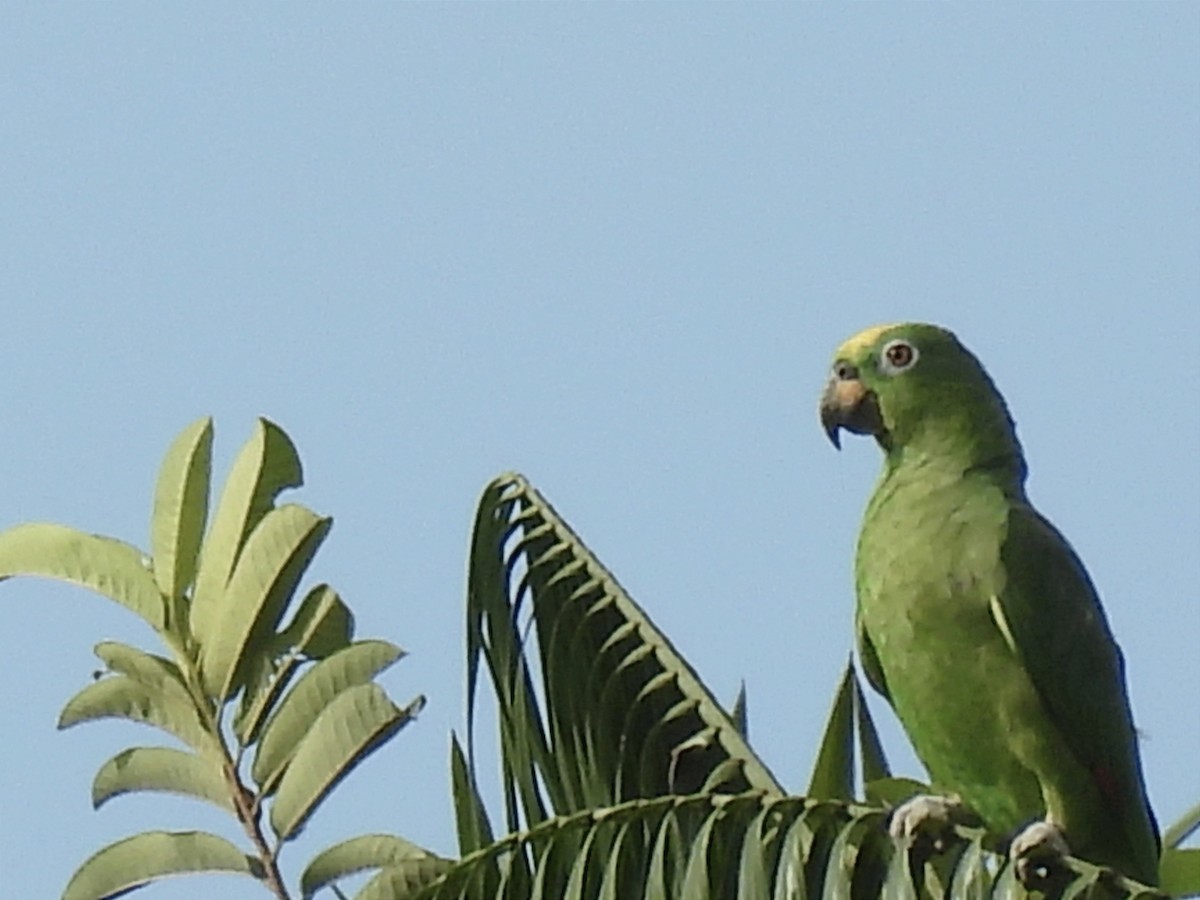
928,567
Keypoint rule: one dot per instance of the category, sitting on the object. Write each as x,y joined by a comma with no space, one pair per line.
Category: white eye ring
898,356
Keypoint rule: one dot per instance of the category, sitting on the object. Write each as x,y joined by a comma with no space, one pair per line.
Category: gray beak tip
833,432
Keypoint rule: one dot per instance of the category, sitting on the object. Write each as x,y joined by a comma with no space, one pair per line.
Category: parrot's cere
975,618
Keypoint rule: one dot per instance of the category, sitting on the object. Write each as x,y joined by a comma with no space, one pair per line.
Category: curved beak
847,403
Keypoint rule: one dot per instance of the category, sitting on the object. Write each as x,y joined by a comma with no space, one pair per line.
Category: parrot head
919,392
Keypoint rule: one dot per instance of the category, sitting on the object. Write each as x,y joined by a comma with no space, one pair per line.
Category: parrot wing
1054,618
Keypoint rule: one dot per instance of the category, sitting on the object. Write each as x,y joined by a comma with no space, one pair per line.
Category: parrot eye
898,356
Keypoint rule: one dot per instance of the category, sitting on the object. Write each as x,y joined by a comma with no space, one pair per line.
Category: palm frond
752,845
618,713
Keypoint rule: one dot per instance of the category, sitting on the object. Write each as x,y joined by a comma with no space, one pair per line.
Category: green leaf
697,881
180,508
891,792
554,867
739,713
152,671
756,862
161,769
300,709
899,883
795,844
624,846
665,869
833,773
1181,828
589,861
856,866
123,697
373,851
266,680
971,876
147,857
405,878
1179,872
266,464
164,682
106,566
470,815
272,562
1080,889
870,748
357,722
322,626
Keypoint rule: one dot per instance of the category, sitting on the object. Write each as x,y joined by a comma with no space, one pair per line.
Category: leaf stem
248,809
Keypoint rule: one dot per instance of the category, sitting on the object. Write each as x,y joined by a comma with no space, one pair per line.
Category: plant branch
248,810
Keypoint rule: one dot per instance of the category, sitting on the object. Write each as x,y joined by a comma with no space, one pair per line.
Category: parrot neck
952,447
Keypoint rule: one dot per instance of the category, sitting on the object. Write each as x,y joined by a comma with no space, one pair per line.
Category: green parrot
975,618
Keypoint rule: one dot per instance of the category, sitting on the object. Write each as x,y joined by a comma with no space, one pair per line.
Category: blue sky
612,248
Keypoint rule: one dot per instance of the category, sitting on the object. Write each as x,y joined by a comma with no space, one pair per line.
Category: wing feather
1054,617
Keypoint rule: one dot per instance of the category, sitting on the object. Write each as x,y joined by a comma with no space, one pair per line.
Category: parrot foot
1036,851
926,819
